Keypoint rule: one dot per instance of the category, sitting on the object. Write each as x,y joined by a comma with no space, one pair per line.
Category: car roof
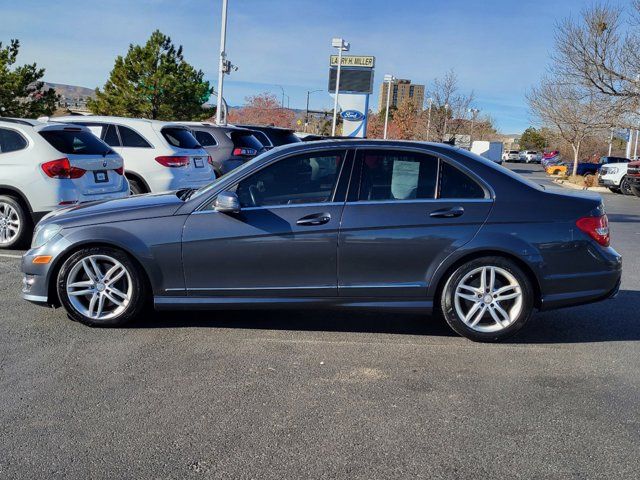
21,121
227,128
265,127
112,119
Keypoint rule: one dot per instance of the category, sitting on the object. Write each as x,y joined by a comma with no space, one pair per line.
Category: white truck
489,150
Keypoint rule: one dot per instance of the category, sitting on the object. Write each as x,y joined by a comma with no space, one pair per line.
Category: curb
573,186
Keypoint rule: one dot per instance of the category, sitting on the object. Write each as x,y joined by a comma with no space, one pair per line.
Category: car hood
123,209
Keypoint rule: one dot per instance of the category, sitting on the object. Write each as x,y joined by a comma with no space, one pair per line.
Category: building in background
401,90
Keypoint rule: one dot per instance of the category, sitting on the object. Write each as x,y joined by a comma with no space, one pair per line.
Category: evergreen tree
22,92
531,139
154,81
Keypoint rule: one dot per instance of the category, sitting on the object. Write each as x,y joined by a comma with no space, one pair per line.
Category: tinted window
204,138
130,138
75,142
282,137
246,140
309,178
110,136
456,184
180,137
11,141
395,175
262,138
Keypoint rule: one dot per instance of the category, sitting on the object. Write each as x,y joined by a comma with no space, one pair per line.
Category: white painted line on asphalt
6,255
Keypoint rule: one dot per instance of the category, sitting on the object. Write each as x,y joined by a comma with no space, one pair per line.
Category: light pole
389,79
430,100
610,141
474,113
306,115
446,117
342,46
223,62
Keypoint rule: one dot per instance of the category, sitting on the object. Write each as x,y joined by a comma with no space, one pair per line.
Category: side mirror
227,202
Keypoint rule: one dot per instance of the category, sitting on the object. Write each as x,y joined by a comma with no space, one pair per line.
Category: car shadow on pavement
609,321
623,218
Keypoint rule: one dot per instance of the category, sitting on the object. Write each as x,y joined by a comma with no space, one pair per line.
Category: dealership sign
362,61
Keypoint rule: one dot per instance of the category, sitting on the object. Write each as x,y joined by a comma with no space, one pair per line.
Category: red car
633,174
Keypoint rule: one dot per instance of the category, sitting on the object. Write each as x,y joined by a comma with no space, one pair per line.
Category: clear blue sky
499,48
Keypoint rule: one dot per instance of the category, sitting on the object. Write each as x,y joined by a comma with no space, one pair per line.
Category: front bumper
605,182
37,278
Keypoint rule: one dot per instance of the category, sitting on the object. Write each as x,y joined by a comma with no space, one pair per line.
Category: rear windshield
180,137
262,138
246,140
75,142
283,137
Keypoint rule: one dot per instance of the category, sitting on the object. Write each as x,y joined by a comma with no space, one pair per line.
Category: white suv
614,175
44,166
530,156
159,156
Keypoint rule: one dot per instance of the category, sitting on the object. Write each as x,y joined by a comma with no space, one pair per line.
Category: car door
406,212
282,243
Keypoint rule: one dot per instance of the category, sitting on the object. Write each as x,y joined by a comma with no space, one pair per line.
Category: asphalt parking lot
324,394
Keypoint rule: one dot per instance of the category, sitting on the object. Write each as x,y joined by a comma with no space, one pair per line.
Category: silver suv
44,166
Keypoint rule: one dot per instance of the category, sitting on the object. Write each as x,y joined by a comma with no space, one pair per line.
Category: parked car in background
45,166
591,168
512,156
228,146
613,175
272,137
159,156
557,169
341,223
530,156
633,174
551,158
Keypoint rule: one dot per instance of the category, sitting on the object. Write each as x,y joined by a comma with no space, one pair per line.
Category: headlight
611,170
43,234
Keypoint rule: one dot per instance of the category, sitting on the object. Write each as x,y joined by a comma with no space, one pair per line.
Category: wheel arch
445,271
138,178
14,192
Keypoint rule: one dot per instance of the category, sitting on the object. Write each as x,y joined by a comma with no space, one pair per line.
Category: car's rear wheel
15,224
625,187
101,286
487,299
136,187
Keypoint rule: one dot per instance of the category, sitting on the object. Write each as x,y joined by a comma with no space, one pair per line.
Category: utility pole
306,115
389,79
223,63
446,117
610,141
474,113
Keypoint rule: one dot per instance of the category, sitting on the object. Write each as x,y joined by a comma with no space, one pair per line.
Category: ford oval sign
352,115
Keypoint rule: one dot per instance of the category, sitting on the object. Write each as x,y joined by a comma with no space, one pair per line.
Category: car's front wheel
487,299
101,286
625,186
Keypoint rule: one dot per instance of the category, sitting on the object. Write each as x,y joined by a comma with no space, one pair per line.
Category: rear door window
130,138
75,142
180,137
205,138
397,175
11,141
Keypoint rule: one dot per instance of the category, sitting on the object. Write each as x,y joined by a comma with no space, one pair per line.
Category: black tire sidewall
135,187
635,190
139,294
447,302
26,224
625,183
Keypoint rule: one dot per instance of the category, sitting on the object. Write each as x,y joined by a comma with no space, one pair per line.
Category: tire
625,186
136,187
16,226
635,190
98,307
487,321
614,190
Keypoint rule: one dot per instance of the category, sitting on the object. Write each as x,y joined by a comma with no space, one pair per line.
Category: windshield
75,142
180,137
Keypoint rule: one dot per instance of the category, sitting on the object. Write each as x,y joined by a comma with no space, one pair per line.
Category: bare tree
601,51
448,103
575,113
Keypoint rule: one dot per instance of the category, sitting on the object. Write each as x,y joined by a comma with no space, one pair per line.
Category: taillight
210,160
173,161
62,169
244,152
120,170
596,227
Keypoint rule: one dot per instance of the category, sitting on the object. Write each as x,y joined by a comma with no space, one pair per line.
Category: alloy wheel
9,223
488,299
99,287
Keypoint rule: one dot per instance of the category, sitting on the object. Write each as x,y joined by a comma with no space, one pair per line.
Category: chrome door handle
447,212
314,219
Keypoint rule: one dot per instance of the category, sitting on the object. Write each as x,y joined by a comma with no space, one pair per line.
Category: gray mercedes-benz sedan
340,223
